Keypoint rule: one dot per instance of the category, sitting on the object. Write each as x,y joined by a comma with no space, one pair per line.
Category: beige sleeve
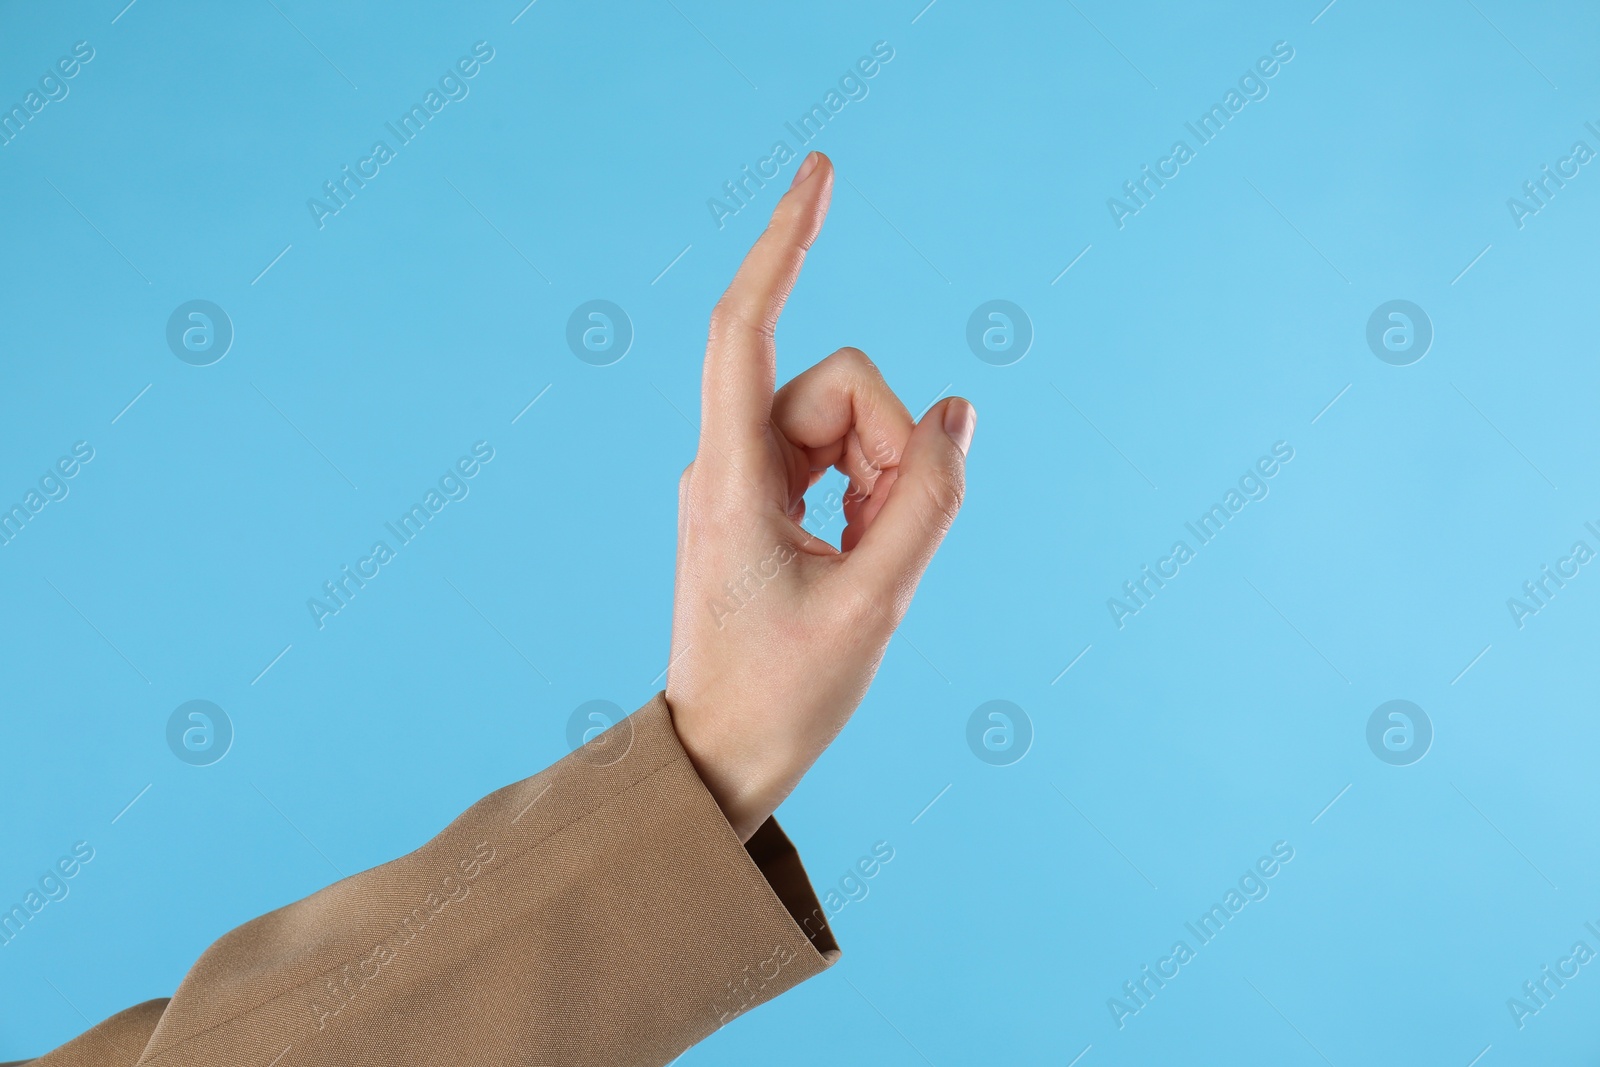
600,912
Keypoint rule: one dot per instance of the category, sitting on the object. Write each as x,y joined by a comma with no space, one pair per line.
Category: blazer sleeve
601,912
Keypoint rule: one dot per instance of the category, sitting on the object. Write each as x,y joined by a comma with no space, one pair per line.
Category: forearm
601,912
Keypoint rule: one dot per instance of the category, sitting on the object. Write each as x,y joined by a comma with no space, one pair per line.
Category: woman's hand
775,634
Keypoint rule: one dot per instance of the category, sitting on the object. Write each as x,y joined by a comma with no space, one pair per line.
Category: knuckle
702,492
788,224
853,358
855,612
731,316
867,615
855,363
944,491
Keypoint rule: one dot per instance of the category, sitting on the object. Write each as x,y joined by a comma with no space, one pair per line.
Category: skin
776,635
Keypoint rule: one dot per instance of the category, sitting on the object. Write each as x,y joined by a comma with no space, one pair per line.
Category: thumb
889,560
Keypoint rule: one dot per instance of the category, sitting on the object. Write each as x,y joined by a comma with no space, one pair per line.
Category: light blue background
1224,317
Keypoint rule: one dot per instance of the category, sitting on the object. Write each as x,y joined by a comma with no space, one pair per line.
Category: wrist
748,781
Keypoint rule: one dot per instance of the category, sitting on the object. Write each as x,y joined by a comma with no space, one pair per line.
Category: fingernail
960,419
807,165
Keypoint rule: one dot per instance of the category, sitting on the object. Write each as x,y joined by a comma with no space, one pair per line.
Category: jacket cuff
777,859
772,913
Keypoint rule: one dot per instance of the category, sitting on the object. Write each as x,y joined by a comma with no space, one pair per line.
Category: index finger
741,359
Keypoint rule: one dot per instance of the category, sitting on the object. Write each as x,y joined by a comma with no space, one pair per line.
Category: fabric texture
601,912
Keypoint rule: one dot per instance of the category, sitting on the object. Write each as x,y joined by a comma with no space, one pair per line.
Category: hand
775,634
